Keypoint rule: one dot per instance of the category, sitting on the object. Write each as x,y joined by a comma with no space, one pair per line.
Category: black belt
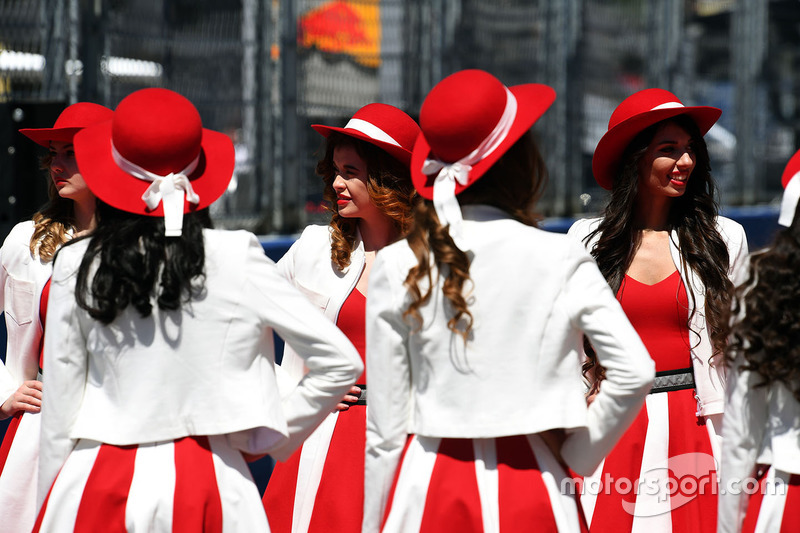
362,399
672,380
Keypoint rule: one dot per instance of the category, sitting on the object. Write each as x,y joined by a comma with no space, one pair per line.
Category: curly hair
54,222
768,335
514,184
389,186
692,216
129,261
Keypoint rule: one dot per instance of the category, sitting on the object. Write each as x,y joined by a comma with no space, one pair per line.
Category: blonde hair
54,223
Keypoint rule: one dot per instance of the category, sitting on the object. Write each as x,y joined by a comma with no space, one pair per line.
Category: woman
159,349
26,257
368,187
474,325
760,470
668,257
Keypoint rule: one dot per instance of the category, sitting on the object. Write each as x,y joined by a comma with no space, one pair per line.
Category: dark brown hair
692,216
768,335
389,185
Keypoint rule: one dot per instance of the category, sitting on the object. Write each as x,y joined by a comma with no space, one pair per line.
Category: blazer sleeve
743,428
333,362
630,371
736,239
65,365
289,372
390,391
7,383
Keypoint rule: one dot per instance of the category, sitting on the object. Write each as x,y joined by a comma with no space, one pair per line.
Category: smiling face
350,184
668,162
64,173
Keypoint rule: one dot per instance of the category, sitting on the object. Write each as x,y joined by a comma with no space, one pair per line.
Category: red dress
321,487
661,476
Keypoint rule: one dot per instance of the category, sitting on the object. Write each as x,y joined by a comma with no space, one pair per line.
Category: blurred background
264,70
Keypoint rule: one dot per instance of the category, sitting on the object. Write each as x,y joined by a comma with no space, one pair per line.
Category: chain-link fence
264,71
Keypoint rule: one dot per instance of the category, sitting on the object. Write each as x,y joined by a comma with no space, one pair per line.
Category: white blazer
533,296
308,266
761,426
206,369
21,281
709,380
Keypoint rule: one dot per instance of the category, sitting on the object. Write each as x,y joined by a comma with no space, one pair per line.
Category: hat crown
642,102
460,112
157,129
82,114
392,121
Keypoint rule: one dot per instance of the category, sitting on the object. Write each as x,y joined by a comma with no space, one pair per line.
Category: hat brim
792,167
609,150
43,136
398,152
119,189
533,99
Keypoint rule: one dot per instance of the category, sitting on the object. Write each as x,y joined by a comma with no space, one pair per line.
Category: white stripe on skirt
564,505
18,481
652,509
770,513
488,483
411,490
154,461
67,489
309,472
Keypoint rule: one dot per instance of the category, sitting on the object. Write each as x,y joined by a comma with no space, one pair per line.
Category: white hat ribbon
447,174
791,195
370,130
169,190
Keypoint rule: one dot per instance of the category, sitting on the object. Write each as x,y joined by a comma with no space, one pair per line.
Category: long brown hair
54,222
513,184
389,186
692,216
768,335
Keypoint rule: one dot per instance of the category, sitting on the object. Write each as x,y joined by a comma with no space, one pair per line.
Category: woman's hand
349,399
27,398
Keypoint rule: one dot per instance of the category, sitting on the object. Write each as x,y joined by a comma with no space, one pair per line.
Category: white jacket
709,380
206,369
761,426
308,266
533,296
21,281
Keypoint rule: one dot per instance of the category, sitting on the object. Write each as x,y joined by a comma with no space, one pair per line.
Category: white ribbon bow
791,195
448,174
169,190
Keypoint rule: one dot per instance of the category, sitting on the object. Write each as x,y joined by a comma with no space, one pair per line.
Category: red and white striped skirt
775,508
19,462
499,485
193,484
661,476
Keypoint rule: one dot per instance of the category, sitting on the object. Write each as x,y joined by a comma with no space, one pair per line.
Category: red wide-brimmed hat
383,125
790,180
635,114
155,158
468,121
71,120
472,113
